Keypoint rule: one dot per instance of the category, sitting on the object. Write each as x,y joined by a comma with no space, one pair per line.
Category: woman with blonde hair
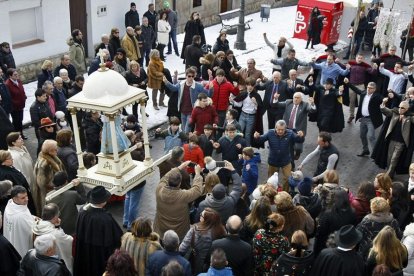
269,243
298,261
136,77
46,74
327,190
372,224
140,243
155,76
383,185
388,250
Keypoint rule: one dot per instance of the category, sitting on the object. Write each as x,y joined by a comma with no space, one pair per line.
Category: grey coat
225,206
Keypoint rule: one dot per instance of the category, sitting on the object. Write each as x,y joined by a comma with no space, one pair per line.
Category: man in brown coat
172,211
130,44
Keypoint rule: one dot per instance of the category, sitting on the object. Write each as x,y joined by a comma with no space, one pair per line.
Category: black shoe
169,53
177,54
363,153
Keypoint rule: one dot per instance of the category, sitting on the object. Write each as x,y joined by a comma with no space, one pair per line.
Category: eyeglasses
190,76
48,126
402,108
369,87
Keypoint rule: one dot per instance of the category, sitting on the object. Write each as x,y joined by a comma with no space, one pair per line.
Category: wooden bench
231,28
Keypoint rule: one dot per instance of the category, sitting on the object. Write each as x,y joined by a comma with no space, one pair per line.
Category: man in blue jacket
280,140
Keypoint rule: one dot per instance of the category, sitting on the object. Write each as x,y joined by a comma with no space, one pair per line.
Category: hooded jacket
311,203
77,55
251,176
63,241
202,116
225,206
408,241
222,93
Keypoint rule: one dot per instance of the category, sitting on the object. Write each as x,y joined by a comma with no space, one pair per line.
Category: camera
220,164
192,164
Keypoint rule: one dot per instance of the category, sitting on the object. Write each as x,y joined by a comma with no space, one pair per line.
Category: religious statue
122,140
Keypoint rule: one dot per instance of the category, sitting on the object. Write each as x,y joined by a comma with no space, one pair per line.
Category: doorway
78,19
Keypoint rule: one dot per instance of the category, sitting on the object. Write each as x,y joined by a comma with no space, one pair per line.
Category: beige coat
130,48
172,210
163,32
77,56
155,73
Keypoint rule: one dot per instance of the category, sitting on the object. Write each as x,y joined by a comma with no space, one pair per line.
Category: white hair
104,36
281,123
63,71
57,79
43,243
171,240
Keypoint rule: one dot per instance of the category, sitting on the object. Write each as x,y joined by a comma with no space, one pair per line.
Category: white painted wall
115,17
55,22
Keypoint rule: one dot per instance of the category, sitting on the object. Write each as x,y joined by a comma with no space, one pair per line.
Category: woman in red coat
18,97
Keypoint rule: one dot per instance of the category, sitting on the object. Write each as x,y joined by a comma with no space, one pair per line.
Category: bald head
403,107
234,224
130,30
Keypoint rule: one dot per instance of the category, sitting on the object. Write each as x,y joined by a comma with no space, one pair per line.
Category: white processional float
107,92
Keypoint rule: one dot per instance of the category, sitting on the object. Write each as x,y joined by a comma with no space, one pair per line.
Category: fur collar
52,161
197,102
380,217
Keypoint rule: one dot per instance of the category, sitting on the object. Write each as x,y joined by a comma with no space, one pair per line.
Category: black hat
219,191
121,50
348,236
329,81
133,4
305,186
98,195
330,49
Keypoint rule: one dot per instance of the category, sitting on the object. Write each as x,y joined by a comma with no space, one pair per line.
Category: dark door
78,19
223,6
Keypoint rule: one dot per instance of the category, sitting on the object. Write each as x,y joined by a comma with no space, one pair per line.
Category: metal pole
356,23
408,33
240,44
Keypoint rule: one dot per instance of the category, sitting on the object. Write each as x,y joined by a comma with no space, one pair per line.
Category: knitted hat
219,191
305,186
295,178
59,115
122,51
133,4
274,179
211,165
166,5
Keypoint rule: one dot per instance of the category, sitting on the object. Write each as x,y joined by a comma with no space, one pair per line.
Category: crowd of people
213,217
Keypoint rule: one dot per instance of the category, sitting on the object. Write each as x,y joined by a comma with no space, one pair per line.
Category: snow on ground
281,23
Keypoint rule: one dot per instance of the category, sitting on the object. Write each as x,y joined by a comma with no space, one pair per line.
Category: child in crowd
131,124
194,153
231,145
61,122
206,140
250,172
203,113
173,135
293,180
89,159
231,116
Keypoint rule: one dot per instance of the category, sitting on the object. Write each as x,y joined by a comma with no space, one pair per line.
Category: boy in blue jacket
250,172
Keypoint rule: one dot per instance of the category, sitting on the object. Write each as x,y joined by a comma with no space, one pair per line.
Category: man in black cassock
329,114
97,235
342,260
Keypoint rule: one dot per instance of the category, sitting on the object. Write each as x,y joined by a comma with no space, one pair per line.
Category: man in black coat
368,114
65,64
97,235
193,53
238,252
359,34
39,109
151,15
395,144
132,17
148,36
42,260
277,86
106,45
342,260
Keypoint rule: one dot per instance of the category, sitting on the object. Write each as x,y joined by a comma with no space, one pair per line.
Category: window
27,27
196,3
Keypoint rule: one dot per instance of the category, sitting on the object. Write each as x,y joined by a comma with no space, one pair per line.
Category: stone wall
28,71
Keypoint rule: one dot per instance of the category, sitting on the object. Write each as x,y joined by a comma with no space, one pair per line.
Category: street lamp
240,44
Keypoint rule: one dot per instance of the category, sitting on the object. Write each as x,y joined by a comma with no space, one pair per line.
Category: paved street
352,169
